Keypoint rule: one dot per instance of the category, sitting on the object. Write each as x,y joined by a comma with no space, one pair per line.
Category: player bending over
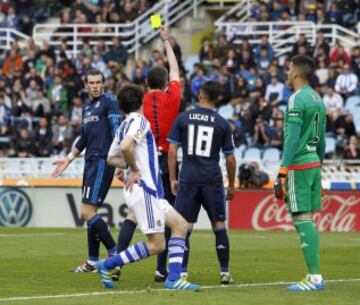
135,145
101,119
299,178
202,134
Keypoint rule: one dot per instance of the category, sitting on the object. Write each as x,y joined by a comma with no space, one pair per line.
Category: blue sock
93,244
187,251
132,254
125,235
102,230
176,254
162,257
222,248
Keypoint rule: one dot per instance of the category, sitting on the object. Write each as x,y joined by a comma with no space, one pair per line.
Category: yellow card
155,21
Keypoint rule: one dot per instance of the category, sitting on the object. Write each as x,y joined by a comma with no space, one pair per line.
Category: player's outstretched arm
127,149
172,163
62,164
174,74
231,170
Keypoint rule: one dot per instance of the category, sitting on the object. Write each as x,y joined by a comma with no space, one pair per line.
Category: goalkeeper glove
280,183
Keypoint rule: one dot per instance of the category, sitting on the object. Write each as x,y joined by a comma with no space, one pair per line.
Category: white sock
315,278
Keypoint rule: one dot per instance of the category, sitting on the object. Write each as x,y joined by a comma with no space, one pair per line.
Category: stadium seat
271,154
330,145
226,111
352,102
252,153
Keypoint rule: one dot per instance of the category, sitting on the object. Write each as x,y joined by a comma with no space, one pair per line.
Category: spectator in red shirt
161,106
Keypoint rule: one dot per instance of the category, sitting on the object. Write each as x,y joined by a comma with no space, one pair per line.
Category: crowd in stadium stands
41,93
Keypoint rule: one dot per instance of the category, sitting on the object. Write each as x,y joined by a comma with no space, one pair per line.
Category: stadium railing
8,35
132,34
282,35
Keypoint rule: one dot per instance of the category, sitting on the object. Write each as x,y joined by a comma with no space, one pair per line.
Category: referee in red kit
161,106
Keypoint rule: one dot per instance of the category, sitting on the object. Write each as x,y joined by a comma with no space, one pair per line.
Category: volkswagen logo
15,208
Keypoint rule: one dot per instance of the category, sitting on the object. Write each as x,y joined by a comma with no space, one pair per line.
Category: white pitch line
30,234
120,292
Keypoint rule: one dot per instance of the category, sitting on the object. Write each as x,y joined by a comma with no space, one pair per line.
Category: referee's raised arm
174,74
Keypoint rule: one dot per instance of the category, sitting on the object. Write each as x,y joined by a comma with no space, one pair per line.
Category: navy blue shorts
190,198
97,180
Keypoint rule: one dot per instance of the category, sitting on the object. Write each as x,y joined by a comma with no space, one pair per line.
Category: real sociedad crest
15,208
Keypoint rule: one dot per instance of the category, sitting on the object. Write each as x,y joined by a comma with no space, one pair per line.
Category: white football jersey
136,126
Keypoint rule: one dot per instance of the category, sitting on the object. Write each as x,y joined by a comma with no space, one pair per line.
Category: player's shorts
190,198
303,190
97,180
150,212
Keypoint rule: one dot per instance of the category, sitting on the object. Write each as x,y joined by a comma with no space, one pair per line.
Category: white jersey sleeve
138,128
115,145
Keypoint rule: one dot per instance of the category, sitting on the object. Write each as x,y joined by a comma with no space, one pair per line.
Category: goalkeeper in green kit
299,178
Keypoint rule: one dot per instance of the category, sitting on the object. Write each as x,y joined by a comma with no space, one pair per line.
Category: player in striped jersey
134,148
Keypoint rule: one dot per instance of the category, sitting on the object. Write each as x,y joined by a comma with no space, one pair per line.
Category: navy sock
186,252
93,244
222,248
162,257
102,230
125,235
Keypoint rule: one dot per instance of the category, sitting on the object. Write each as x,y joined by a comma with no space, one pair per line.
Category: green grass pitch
35,264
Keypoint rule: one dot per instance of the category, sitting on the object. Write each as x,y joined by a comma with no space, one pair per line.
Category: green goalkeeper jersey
306,108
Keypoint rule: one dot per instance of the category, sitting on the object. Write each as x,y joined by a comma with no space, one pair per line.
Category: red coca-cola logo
262,211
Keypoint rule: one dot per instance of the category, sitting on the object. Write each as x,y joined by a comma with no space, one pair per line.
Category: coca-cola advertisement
260,210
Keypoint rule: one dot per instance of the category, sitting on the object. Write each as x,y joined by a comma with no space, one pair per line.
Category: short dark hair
157,77
305,65
211,91
130,98
94,72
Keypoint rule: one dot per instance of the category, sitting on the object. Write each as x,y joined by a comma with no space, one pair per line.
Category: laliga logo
336,215
15,208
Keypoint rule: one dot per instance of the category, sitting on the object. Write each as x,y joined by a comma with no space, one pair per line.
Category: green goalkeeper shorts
303,190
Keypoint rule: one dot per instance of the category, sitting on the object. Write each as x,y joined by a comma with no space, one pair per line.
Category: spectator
24,144
262,133
277,134
42,137
13,62
62,136
347,82
117,53
264,44
198,80
41,105
333,102
76,113
352,150
344,126
274,91
302,42
5,117
11,20
339,53
58,96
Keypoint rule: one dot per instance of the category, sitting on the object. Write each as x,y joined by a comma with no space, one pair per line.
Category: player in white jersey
134,149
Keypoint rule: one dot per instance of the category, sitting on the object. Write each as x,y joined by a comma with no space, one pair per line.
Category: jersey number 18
204,138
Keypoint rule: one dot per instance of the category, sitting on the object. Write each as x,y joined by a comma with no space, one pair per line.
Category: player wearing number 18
299,178
202,134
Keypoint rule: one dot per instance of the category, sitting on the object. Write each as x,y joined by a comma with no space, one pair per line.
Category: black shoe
159,277
84,268
116,273
226,279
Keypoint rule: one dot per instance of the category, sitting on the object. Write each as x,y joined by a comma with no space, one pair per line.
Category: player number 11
204,138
